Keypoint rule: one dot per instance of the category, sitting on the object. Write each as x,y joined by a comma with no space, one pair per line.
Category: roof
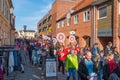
79,6
97,2
28,30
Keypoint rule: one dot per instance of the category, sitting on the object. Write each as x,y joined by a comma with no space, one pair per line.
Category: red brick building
48,23
92,20
78,19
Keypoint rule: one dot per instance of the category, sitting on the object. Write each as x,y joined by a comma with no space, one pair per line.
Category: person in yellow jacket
71,64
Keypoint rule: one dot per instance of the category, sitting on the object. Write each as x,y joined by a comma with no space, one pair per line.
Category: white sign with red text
71,38
54,41
60,37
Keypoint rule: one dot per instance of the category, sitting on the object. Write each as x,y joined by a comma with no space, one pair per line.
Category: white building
28,34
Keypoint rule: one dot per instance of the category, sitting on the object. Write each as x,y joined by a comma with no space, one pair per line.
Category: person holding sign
71,64
61,58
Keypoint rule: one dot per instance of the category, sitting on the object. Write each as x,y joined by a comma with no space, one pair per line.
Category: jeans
79,78
100,74
73,72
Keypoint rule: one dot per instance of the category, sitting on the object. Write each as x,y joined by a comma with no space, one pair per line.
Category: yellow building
7,23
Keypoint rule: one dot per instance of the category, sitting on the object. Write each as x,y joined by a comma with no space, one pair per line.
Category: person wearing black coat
109,66
83,71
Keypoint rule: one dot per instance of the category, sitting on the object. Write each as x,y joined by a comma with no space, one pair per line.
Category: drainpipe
116,24
93,29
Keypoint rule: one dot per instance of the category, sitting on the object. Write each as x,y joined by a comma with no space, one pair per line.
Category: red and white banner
71,38
60,37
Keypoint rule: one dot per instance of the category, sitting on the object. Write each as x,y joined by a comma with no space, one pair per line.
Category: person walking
81,56
61,59
109,66
23,58
116,73
116,54
87,69
71,64
95,50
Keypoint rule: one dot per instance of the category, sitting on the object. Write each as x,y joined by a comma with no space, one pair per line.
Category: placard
51,67
71,38
60,37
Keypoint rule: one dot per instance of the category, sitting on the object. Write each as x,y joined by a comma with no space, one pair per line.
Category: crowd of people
90,63
83,63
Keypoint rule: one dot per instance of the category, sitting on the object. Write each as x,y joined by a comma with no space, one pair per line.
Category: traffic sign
60,37
71,38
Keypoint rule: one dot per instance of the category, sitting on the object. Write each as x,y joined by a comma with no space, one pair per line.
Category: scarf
112,65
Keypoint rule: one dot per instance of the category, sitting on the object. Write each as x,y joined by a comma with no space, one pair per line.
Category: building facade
28,34
7,23
79,20
47,25
93,21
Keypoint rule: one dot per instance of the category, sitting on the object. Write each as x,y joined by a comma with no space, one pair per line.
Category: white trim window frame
76,19
68,19
86,16
104,14
58,25
63,23
119,7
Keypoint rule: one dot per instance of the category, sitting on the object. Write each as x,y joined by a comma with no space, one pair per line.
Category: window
86,16
102,12
68,19
63,23
58,25
76,19
68,22
119,7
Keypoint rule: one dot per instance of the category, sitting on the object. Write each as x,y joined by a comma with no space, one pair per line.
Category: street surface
31,73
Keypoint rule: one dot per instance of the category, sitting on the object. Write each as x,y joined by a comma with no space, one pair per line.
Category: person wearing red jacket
75,48
61,58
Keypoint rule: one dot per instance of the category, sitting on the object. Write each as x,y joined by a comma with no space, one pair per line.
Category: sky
29,12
